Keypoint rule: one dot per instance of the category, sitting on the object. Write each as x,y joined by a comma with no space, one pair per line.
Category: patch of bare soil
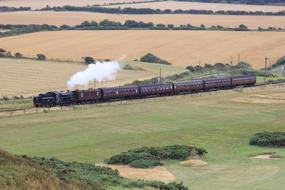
193,163
266,156
262,99
157,173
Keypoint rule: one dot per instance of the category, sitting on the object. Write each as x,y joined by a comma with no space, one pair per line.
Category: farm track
33,110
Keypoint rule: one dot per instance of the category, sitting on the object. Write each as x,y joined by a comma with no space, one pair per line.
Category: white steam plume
101,71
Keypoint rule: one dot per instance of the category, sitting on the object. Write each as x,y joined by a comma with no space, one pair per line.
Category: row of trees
11,30
130,10
250,2
4,53
12,9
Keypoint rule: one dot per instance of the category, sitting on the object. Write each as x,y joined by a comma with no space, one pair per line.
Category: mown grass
215,121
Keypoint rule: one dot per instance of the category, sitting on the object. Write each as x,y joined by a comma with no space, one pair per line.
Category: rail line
33,110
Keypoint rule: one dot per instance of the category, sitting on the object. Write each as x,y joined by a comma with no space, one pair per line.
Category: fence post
11,112
24,111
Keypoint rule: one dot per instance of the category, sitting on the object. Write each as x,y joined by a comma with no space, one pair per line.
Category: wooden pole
265,67
238,58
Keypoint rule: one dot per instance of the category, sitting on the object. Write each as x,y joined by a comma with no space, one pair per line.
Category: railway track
31,110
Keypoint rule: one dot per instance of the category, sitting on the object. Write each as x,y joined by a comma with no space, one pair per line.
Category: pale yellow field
204,6
37,4
28,77
75,18
178,47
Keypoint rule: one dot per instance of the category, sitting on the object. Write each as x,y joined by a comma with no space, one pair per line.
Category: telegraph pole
94,84
160,74
238,58
265,69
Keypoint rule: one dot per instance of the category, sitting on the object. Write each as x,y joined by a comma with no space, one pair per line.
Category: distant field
205,6
37,4
222,122
178,47
28,77
74,18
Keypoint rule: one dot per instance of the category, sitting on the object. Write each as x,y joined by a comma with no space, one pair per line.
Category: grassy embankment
221,122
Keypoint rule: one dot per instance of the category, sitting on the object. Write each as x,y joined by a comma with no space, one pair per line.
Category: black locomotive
57,98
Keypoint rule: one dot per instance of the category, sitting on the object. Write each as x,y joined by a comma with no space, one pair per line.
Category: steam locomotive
58,98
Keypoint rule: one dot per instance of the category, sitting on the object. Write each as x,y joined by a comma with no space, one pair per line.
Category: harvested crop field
28,77
75,18
37,4
190,47
204,6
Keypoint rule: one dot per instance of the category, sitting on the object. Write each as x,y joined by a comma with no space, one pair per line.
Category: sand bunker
262,99
157,173
266,156
193,163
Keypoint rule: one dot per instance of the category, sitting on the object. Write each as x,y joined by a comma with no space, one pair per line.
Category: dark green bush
89,60
142,163
41,56
151,156
279,62
268,139
150,58
170,186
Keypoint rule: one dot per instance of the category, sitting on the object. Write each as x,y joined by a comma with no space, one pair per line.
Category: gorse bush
146,157
142,163
268,139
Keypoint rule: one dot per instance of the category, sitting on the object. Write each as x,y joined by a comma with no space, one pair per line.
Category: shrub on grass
151,156
18,55
150,58
41,56
268,139
89,60
279,62
142,163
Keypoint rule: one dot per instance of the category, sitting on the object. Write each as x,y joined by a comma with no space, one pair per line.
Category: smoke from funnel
101,71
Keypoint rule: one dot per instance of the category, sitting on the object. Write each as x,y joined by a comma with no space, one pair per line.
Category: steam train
58,98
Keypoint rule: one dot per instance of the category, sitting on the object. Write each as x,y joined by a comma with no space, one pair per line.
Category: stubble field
29,77
37,4
204,6
178,47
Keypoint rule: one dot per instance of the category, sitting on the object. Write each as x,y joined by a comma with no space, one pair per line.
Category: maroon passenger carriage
142,91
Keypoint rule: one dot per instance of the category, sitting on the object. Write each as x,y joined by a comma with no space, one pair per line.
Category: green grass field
222,122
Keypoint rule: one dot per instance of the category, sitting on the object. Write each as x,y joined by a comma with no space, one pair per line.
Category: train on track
59,98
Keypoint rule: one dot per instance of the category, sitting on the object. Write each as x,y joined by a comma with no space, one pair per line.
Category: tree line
12,9
12,30
250,2
130,10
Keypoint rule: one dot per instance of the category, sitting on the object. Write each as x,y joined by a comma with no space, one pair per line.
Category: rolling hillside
178,47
